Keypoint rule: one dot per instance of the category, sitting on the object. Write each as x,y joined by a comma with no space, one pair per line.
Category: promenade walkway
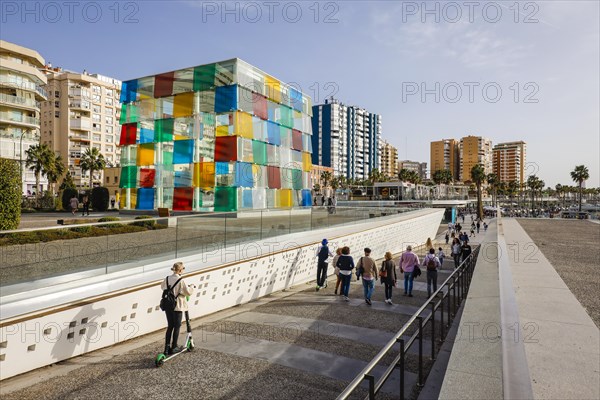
294,344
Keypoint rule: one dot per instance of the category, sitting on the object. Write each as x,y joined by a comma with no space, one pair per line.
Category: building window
96,117
57,104
57,94
96,89
108,129
96,98
96,127
109,92
108,120
108,101
107,179
96,138
108,111
96,109
109,139
109,149
56,114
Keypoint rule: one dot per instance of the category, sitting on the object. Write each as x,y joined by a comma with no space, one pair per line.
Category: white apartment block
20,95
82,111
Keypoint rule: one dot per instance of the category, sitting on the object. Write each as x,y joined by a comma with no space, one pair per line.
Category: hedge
100,198
148,224
10,194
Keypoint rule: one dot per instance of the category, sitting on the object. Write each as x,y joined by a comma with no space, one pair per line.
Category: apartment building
21,93
389,159
346,138
444,154
82,111
509,161
474,150
418,167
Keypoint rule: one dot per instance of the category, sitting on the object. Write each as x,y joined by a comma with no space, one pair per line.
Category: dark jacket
345,263
390,267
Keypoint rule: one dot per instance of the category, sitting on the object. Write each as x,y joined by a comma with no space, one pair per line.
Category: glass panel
226,148
183,152
183,198
226,98
145,154
145,199
147,176
226,199
128,177
183,105
163,84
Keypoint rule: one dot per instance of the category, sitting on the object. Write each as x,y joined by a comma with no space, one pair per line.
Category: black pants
86,209
321,273
174,321
388,289
456,260
431,281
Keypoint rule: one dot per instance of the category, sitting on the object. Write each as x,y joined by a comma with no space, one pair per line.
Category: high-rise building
419,167
82,112
223,136
474,150
346,138
389,159
509,161
444,155
20,95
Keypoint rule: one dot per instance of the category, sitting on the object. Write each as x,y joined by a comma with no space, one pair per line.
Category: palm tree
478,176
558,189
580,174
92,161
535,185
512,188
56,171
493,181
39,160
403,175
442,176
326,177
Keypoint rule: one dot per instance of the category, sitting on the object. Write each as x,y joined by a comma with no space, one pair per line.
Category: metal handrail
366,372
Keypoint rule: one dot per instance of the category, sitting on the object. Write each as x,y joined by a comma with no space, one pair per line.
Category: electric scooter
189,345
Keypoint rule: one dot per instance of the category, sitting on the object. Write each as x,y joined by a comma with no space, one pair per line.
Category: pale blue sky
375,53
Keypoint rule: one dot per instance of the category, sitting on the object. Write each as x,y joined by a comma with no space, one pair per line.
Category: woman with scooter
174,306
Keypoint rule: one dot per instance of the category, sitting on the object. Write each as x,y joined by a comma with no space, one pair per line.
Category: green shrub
109,219
147,224
81,229
47,201
10,194
66,198
100,198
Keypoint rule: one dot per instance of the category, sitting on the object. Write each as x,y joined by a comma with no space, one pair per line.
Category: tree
55,171
493,181
535,185
10,194
403,175
316,188
580,174
68,182
442,176
39,160
478,176
92,161
326,177
512,188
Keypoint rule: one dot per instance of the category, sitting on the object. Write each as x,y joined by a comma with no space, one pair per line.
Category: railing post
371,380
442,317
433,330
454,295
401,341
420,381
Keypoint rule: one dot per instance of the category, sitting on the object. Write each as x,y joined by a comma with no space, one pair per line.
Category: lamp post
21,158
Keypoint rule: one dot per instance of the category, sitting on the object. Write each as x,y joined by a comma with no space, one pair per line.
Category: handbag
383,271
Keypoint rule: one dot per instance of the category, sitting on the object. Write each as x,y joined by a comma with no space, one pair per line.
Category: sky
503,70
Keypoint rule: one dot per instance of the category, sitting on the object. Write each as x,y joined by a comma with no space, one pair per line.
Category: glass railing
44,257
6,116
22,101
24,85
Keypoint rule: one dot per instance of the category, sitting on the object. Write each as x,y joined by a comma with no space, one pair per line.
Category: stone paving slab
299,358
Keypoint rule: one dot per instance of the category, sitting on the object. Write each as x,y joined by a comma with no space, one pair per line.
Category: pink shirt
408,261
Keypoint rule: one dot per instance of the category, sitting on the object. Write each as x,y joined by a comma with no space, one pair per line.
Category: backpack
168,301
431,264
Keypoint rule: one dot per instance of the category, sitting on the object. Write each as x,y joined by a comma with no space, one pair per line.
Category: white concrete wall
47,336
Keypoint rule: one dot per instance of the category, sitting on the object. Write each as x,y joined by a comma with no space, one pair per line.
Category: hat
324,242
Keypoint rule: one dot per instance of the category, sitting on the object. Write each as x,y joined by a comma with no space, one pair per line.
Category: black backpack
168,301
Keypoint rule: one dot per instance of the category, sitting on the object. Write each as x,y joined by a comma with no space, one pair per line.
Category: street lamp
21,158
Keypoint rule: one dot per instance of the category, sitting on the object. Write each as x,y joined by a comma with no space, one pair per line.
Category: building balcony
79,136
83,124
18,101
18,119
77,105
30,86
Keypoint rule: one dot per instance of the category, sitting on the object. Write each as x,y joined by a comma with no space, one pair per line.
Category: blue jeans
368,288
345,284
408,282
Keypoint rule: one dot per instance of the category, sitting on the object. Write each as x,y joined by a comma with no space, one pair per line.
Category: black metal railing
446,299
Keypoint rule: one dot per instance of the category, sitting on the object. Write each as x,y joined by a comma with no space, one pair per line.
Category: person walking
432,263
478,226
86,205
323,254
369,274
346,264
407,262
180,289
472,230
447,237
388,276
465,251
485,226
74,203
338,281
456,251
441,257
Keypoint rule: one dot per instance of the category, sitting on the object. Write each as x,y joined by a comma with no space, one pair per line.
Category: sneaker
346,298
410,295
404,294
335,292
368,301
390,302
317,288
175,350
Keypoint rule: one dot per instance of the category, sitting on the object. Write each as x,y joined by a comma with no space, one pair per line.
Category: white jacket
181,290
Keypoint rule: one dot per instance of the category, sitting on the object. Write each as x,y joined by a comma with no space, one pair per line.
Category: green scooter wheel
160,360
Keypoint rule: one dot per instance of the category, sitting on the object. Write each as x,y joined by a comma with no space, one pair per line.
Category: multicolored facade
223,136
